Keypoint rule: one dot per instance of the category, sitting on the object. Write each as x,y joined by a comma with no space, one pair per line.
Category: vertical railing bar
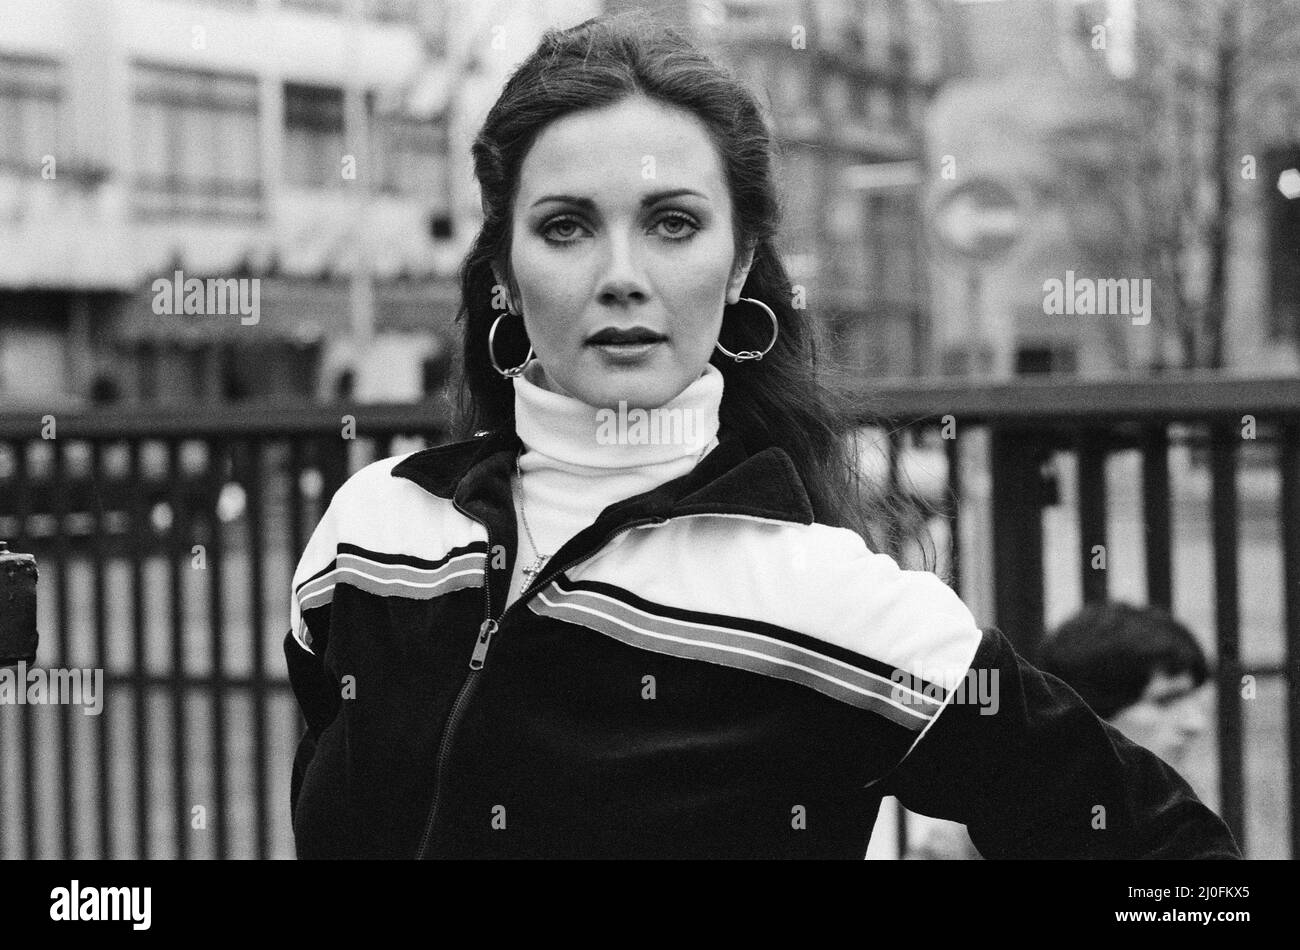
1223,445
1289,462
59,509
257,610
895,542
139,686
1156,518
954,512
216,613
1092,514
893,539
21,493
334,466
105,798
13,453
297,523
298,541
1015,464
175,549
23,509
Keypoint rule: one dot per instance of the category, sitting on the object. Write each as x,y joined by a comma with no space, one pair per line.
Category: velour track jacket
704,671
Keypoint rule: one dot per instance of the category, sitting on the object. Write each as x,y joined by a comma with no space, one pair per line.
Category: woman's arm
1036,774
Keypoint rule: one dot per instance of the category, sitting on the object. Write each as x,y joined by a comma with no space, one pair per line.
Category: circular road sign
980,219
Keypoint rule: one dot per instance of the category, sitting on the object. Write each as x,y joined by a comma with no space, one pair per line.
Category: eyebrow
652,198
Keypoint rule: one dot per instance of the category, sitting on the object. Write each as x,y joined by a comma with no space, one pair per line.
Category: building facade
276,141
1097,122
321,149
845,85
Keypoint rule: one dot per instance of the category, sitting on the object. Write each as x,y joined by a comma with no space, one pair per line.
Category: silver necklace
530,573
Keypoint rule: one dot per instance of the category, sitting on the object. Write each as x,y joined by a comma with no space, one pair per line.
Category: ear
739,274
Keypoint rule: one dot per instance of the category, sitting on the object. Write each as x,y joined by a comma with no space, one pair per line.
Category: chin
636,396
644,388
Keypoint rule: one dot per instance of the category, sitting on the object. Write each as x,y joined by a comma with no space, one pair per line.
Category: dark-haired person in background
1138,668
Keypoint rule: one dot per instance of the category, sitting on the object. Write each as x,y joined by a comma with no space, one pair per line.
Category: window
32,360
410,157
29,113
197,149
313,135
441,226
435,371
1046,358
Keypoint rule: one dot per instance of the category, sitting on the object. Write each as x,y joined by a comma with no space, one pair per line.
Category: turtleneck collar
574,433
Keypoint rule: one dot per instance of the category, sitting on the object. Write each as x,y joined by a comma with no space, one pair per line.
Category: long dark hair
778,401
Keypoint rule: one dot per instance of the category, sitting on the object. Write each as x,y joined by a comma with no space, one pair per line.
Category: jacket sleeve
1034,773
305,643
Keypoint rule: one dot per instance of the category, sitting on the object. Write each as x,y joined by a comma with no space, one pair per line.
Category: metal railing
166,540
1030,424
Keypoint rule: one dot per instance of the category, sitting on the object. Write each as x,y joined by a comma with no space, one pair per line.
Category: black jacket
704,671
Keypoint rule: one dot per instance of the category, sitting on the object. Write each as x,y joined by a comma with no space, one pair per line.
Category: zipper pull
485,632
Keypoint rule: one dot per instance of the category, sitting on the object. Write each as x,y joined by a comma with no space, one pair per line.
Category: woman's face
623,222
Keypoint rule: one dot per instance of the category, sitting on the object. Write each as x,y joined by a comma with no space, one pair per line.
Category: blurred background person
1138,668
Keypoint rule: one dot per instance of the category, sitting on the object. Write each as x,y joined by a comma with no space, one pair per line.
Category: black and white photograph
698,430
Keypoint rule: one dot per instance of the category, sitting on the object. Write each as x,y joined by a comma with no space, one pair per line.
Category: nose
621,279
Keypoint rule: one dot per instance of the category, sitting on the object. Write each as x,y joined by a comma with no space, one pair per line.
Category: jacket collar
729,480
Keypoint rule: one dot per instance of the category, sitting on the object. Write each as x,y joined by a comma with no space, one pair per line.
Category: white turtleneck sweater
572,471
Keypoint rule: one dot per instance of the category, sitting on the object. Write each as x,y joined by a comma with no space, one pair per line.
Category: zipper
485,631
478,657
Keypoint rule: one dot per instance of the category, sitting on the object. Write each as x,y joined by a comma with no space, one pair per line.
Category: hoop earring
513,371
753,354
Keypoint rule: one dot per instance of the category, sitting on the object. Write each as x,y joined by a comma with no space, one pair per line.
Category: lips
631,336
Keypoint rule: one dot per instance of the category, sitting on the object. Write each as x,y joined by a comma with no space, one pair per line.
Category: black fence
1226,428
166,542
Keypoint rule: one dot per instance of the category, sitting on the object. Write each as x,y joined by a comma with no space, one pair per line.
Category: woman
636,614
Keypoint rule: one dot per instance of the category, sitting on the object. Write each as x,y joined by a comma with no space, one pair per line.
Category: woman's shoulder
377,516
392,473
378,497
374,476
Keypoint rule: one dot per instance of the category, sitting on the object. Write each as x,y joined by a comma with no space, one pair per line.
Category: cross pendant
530,573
